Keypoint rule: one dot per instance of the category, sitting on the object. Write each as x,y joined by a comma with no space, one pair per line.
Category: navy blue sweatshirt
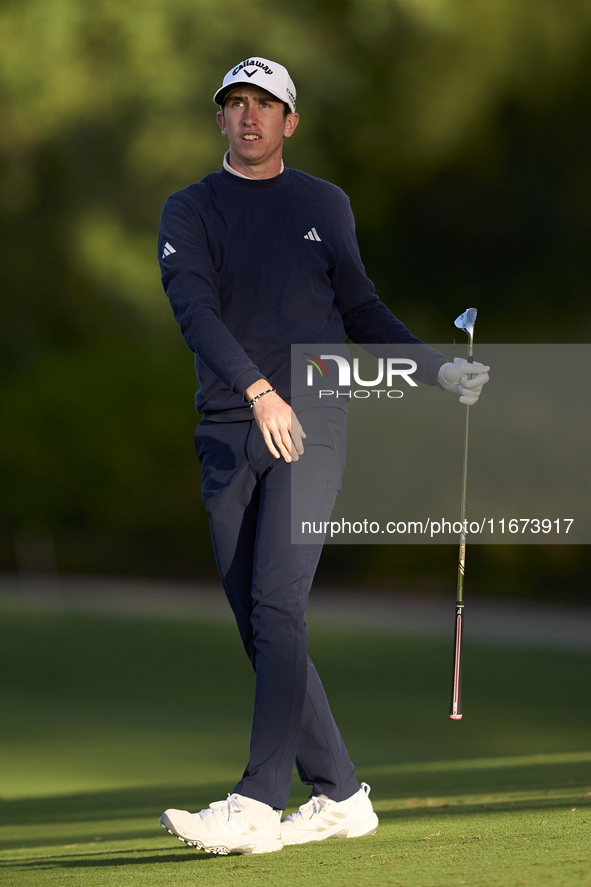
247,278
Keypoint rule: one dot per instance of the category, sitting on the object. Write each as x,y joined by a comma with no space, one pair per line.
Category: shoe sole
167,826
219,849
363,832
246,849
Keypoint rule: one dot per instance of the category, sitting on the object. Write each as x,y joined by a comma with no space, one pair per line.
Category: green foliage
460,130
99,463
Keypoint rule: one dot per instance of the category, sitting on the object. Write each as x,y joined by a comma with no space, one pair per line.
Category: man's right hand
464,378
278,423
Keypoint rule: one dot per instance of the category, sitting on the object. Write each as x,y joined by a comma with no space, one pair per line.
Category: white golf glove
463,378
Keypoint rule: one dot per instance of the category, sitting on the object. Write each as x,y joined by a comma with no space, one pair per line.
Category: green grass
107,721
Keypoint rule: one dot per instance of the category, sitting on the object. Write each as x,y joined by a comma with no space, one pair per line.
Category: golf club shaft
455,711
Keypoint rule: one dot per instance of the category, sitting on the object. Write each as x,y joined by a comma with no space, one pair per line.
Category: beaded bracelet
252,402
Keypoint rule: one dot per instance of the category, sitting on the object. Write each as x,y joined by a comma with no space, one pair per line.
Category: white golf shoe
322,818
236,825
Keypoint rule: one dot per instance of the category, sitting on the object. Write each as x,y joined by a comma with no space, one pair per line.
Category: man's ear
222,121
291,121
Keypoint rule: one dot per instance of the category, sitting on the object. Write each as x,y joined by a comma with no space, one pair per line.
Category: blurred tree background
459,128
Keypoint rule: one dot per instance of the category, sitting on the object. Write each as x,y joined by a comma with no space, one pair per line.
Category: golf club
465,322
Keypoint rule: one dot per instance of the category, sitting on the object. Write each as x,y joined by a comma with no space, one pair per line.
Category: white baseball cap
259,72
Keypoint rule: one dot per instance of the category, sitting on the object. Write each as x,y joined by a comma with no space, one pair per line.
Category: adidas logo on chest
312,235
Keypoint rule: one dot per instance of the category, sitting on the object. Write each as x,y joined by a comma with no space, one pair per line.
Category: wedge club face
466,322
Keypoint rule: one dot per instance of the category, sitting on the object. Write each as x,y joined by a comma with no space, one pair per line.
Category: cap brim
220,96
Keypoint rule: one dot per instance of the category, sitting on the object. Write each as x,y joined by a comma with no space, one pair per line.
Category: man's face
256,125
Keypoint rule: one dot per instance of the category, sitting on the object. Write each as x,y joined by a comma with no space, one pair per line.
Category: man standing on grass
254,258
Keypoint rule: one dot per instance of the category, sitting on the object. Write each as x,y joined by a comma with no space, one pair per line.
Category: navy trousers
267,579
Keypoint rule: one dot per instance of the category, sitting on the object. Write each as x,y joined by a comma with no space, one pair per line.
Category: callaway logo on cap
260,72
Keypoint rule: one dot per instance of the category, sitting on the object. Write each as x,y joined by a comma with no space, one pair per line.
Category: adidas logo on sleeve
168,250
312,235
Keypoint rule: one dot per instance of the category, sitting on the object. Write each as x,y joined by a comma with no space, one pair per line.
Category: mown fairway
107,721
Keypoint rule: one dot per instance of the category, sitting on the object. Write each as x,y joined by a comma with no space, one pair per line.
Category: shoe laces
223,810
313,807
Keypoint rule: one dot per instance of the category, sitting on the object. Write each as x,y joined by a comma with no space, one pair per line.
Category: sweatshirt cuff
436,366
246,379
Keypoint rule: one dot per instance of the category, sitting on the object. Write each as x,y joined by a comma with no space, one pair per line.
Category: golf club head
466,321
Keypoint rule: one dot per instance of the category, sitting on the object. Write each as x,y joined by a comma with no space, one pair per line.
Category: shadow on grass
55,862
154,856
128,803
530,774
444,788
430,782
73,840
482,809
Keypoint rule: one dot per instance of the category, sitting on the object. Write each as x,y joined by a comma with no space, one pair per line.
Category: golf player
256,257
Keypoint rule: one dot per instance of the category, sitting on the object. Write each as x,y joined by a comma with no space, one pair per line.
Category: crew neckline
240,175
254,184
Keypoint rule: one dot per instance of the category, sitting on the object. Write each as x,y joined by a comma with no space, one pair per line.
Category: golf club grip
455,711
